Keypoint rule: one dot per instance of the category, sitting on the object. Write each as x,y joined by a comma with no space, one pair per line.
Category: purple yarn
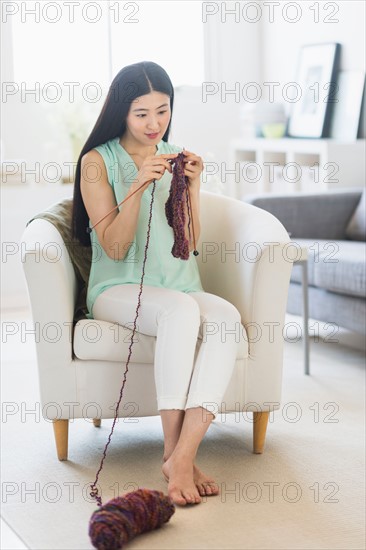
122,518
174,208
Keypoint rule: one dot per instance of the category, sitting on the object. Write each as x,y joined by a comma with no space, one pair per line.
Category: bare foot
181,487
206,485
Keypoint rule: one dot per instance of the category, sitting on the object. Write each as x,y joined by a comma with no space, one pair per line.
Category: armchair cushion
59,214
101,340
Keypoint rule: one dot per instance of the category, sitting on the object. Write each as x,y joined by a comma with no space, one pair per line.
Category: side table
303,261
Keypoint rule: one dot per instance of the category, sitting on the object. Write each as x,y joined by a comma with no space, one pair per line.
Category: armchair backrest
60,216
234,236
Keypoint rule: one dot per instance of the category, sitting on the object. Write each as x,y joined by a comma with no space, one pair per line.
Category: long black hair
130,83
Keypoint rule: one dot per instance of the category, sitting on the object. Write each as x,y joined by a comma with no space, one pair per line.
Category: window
69,52
60,51
75,42
168,33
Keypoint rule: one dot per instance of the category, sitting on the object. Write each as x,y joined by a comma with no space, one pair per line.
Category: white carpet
305,492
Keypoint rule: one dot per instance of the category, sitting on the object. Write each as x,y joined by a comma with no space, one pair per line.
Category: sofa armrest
307,216
52,289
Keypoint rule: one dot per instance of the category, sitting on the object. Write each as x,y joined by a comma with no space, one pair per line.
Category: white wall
282,40
19,204
205,121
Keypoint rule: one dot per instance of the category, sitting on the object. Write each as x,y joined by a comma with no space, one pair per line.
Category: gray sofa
332,226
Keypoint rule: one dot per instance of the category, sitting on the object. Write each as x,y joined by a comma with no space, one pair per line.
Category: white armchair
242,258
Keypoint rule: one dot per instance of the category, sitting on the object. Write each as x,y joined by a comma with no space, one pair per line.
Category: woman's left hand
193,168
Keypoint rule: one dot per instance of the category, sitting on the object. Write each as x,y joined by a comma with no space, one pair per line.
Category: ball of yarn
122,518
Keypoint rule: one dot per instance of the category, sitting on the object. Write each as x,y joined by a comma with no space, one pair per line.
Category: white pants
177,319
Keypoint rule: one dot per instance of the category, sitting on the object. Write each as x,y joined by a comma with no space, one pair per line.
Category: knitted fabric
174,208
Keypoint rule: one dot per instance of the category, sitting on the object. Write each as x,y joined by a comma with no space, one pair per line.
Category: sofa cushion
356,228
336,309
337,266
316,248
106,341
344,273
320,215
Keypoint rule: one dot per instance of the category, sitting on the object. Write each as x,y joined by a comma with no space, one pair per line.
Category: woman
128,148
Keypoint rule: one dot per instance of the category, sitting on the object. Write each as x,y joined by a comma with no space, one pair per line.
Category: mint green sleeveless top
162,269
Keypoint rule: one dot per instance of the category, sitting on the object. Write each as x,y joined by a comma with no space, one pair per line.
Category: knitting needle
89,229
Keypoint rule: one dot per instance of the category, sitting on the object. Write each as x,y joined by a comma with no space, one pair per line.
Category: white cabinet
291,165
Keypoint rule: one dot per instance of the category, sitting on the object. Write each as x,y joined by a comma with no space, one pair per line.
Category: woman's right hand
153,168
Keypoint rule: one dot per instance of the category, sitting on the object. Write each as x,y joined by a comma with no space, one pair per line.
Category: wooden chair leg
260,421
97,422
61,431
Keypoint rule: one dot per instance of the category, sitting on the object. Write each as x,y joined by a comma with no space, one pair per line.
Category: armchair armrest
317,215
52,289
246,258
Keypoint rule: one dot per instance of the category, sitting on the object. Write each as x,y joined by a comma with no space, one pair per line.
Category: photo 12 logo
271,12
70,12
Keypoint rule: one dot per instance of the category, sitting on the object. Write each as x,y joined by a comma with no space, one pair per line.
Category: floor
10,540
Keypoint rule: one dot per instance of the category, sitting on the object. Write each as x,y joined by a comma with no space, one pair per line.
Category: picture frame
350,96
316,75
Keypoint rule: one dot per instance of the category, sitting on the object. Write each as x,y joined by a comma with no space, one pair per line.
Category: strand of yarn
189,208
122,518
174,209
94,492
